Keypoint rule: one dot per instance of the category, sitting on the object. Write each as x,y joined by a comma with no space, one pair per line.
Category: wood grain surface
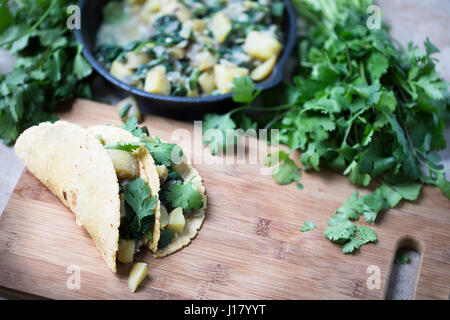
250,246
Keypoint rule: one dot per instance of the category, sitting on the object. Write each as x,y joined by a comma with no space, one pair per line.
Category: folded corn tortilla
72,163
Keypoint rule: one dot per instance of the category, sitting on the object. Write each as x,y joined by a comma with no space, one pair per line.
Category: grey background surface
411,20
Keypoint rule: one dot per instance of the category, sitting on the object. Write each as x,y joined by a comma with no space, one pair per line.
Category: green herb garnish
184,195
309,225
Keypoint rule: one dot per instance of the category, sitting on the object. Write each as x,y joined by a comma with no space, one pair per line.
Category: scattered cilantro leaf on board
340,229
366,234
307,226
352,245
138,195
184,195
125,146
285,170
402,257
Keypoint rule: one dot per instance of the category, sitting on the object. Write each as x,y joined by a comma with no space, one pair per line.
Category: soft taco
124,187
181,194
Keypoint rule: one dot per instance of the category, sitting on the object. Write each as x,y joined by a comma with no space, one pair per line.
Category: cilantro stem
350,124
248,107
33,27
271,122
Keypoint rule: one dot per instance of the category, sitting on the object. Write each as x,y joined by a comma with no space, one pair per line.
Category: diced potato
137,273
220,26
152,6
261,45
205,41
126,250
224,76
264,69
176,220
120,70
182,13
204,60
162,172
156,81
134,60
164,218
128,108
125,164
249,4
177,9
177,52
207,82
192,93
198,25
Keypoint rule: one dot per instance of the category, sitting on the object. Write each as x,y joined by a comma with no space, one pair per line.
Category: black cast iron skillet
175,107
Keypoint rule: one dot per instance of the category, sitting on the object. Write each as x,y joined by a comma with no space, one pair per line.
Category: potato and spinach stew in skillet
189,48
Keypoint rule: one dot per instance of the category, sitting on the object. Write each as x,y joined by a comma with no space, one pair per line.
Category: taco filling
166,217
137,206
180,199
138,191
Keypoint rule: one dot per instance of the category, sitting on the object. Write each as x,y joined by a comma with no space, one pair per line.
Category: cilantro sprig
138,195
140,209
184,195
307,226
163,153
125,146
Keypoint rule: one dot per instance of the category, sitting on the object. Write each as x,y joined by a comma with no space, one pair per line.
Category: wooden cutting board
249,247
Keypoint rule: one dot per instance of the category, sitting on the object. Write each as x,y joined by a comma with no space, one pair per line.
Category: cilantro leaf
132,126
340,230
351,207
377,65
287,171
402,257
366,234
125,146
243,90
165,238
6,18
308,225
184,195
163,153
408,191
352,245
137,194
372,204
218,132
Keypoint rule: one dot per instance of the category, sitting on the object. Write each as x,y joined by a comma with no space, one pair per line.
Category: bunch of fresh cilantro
49,68
359,104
